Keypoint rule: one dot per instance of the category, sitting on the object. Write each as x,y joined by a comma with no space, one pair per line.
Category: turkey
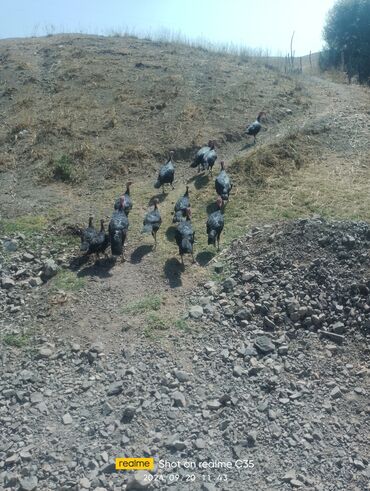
185,237
128,200
180,207
100,242
152,222
87,236
166,173
222,183
209,158
198,159
215,224
118,227
255,127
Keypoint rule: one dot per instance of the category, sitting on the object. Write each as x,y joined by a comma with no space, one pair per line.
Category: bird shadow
140,252
173,270
247,145
203,258
160,197
100,268
200,180
170,232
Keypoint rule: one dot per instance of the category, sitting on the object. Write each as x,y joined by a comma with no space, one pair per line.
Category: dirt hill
82,115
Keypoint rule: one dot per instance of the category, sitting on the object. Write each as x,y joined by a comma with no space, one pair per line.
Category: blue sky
266,24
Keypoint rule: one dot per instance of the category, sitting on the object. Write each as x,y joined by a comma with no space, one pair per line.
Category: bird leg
218,243
192,256
154,234
182,259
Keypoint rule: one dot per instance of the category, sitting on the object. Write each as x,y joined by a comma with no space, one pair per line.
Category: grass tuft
147,304
68,281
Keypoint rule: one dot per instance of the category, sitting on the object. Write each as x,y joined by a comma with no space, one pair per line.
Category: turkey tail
157,184
194,164
116,240
147,229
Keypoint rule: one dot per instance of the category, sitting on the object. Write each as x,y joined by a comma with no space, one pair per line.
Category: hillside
80,116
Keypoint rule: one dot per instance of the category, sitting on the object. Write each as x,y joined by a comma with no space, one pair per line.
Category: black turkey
255,127
215,224
152,222
222,183
100,242
209,159
180,207
185,237
166,173
128,200
87,236
118,227
198,159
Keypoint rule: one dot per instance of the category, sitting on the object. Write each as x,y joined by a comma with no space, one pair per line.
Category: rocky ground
270,375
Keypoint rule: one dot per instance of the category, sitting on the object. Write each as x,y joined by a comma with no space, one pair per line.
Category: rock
28,483
115,389
178,399
35,281
200,444
28,257
338,328
238,371
85,483
229,284
196,312
45,352
7,283
182,376
128,414
10,245
140,480
289,476
336,393
264,344
214,405
49,269
268,324
67,419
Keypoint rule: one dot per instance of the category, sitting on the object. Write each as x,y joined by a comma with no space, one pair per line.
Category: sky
259,24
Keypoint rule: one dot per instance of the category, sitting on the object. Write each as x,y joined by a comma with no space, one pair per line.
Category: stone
229,284
85,483
268,324
264,344
28,483
67,419
49,269
181,375
7,283
214,405
178,399
237,371
336,393
45,352
28,257
115,389
140,480
128,414
196,312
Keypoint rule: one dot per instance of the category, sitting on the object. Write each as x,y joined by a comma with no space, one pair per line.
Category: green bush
63,169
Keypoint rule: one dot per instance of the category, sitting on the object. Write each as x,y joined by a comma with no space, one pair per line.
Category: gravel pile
271,374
